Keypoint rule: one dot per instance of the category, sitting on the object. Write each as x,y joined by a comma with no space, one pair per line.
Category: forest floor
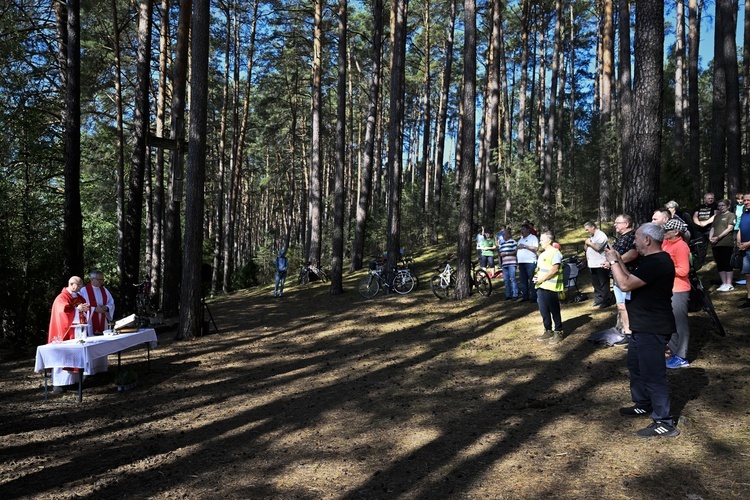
312,396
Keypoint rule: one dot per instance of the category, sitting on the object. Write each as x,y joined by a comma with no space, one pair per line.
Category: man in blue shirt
743,243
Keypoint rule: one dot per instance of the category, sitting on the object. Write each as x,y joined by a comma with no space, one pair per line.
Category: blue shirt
745,226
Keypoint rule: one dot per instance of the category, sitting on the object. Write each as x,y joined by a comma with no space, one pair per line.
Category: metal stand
206,310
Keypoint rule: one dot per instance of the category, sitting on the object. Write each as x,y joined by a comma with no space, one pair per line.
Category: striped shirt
509,246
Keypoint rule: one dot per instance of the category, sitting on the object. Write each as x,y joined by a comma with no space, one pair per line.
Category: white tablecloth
73,354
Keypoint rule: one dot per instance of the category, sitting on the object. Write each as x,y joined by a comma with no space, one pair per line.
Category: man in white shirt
526,250
595,244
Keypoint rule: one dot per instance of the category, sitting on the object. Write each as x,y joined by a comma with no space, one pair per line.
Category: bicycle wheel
708,306
403,283
368,286
440,287
483,283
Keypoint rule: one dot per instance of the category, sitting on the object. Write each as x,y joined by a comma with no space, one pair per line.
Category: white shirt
524,255
593,258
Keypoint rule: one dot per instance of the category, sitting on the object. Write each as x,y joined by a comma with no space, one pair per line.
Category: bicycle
705,302
317,272
698,247
443,283
369,286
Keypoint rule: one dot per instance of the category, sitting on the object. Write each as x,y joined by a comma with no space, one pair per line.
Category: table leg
80,385
46,389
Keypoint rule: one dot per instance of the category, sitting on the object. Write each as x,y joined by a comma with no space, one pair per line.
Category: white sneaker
722,288
729,288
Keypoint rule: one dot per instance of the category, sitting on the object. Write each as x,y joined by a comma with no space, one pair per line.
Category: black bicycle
705,302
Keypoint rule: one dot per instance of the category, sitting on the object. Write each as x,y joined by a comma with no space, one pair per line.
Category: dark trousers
648,374
600,282
549,308
525,274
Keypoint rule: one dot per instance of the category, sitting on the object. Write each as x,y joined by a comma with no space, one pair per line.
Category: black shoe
659,429
744,305
604,305
635,411
523,300
57,389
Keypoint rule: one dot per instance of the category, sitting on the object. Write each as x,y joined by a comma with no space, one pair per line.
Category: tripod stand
207,324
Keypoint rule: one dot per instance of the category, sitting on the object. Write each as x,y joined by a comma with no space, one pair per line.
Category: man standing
68,309
526,250
100,301
703,216
508,258
743,243
281,264
624,244
548,280
594,246
652,322
102,308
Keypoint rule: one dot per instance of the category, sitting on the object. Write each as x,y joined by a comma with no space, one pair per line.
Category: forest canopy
334,129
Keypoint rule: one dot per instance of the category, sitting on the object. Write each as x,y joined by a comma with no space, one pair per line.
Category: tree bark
718,107
366,184
437,185
158,187
605,110
69,54
732,93
468,95
643,167
337,240
626,95
134,215
191,312
679,87
694,19
173,229
120,134
399,10
315,200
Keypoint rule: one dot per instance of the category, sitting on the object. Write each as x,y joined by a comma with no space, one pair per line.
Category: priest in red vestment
68,309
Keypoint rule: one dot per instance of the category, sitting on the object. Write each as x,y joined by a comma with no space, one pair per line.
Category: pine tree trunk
191,309
134,214
337,240
643,167
468,97
366,184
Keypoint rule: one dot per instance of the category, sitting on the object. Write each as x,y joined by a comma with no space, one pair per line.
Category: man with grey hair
101,312
652,323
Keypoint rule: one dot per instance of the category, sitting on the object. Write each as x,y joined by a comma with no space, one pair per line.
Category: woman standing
679,251
722,244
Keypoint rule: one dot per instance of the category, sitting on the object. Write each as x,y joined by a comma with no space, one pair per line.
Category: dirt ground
312,396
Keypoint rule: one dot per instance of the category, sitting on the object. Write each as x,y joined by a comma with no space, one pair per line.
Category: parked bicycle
369,286
311,272
697,248
443,284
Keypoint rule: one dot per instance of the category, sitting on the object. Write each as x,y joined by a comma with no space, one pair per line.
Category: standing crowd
650,267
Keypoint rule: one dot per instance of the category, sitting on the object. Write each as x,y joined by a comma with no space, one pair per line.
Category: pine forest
184,143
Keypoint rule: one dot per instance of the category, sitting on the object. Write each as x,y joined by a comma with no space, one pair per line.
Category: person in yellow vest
548,281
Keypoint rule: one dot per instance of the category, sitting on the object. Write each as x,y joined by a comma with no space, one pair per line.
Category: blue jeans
280,280
648,374
549,308
525,274
509,275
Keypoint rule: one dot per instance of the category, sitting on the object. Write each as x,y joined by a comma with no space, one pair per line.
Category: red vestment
98,320
63,314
